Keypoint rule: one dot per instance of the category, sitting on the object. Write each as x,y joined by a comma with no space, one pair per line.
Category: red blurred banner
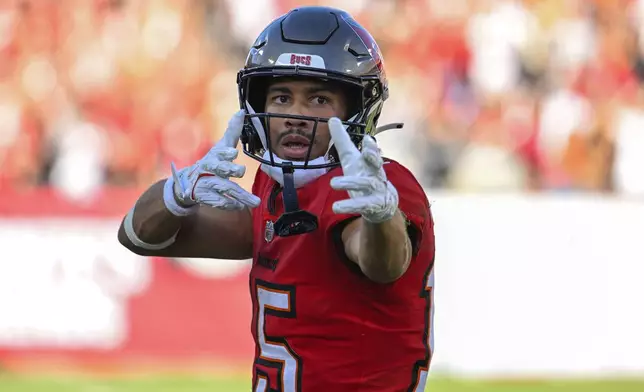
69,291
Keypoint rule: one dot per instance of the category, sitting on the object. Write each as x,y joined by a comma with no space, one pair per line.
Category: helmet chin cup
293,221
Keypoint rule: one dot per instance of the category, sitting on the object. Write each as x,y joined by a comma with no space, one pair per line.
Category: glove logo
269,231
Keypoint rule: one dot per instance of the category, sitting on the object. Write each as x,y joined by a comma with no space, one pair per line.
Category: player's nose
295,122
299,113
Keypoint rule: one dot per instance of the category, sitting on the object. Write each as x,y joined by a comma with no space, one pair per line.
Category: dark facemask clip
293,221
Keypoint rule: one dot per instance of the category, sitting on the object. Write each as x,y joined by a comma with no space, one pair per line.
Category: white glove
371,194
207,181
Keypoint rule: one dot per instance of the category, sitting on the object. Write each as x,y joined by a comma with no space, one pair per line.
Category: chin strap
293,221
289,192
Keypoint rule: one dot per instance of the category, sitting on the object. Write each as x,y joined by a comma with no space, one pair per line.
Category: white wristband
131,235
171,203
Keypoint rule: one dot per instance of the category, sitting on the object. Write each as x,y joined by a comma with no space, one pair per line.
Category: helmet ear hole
250,138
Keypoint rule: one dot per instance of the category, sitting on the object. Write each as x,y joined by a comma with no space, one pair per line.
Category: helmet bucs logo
301,60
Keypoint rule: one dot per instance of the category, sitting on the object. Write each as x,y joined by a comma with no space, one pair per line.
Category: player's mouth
295,147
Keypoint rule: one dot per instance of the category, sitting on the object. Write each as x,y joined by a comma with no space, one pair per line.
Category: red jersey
319,324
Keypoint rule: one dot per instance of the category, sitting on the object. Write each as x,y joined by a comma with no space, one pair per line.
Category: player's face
290,137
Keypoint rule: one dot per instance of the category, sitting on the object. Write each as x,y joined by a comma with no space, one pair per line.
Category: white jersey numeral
422,368
276,301
279,301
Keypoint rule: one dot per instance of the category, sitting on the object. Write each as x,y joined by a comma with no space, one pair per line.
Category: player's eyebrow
320,89
309,90
280,90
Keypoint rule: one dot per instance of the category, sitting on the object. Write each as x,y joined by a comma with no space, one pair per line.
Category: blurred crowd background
496,95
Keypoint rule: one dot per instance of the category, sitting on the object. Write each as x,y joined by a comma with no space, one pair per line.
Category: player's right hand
207,181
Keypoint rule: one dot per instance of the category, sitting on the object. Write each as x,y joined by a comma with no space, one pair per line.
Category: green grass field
12,383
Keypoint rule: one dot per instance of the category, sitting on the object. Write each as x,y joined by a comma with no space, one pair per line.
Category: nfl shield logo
269,231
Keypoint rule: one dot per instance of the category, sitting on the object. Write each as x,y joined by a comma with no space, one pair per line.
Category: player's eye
281,99
320,100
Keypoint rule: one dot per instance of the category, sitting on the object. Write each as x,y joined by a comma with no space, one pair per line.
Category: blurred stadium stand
496,95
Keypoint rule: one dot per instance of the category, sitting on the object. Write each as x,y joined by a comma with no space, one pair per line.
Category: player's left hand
371,194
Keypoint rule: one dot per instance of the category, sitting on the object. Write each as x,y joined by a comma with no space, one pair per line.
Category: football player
342,240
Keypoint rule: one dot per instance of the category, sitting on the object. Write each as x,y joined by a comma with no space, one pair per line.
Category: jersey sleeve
258,183
412,203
